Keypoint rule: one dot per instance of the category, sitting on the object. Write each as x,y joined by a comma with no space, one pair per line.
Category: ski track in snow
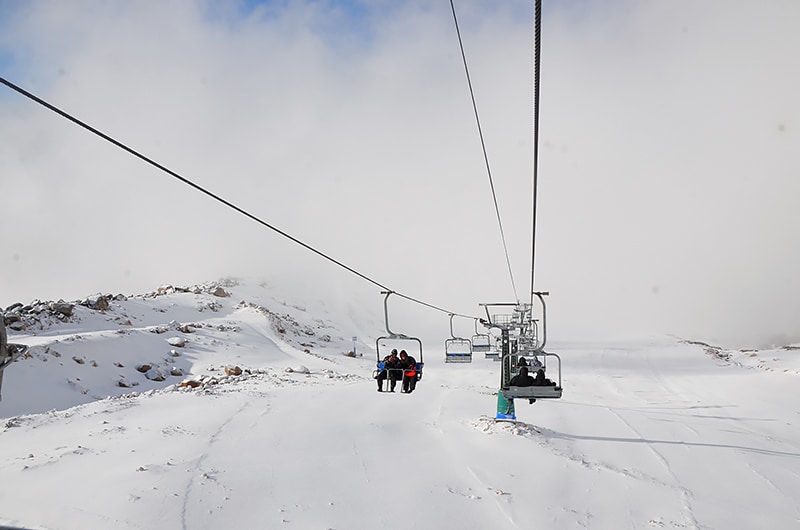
685,493
501,498
210,475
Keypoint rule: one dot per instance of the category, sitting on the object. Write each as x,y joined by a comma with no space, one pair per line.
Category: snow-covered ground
658,434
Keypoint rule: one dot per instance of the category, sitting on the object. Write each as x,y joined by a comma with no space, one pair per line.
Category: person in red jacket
410,373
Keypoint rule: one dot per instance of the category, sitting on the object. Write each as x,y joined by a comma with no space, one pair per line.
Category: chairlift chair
481,342
496,351
399,341
511,368
457,349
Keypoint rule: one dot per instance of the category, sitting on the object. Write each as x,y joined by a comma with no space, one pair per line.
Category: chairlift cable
485,156
227,203
536,69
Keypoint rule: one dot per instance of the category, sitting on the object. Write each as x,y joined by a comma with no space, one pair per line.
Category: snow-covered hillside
227,405
157,340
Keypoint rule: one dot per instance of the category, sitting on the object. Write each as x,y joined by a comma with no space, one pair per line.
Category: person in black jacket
522,378
392,369
410,375
541,380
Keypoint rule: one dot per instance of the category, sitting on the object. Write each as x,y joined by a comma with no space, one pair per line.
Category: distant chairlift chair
457,349
486,343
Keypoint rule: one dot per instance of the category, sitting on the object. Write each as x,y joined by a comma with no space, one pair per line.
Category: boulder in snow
233,370
178,342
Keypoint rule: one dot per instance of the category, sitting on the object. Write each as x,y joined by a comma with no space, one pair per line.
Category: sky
655,434
668,163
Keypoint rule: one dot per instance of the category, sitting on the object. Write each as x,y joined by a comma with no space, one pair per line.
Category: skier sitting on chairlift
535,362
541,380
410,374
523,379
391,368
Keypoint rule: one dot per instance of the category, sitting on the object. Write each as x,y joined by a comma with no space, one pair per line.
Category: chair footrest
528,392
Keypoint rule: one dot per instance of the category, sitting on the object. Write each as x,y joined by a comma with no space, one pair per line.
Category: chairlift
511,366
481,342
8,352
398,341
457,349
519,331
521,340
493,343
496,351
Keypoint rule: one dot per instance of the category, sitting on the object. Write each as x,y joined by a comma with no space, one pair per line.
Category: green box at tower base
505,408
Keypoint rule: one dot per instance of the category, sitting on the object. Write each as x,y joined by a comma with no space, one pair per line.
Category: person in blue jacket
392,369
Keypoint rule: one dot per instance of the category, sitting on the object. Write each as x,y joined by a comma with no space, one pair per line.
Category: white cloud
668,165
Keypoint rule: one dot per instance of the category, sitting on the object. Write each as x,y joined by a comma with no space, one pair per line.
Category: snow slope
659,434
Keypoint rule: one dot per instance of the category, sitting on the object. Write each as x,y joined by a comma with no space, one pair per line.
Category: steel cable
485,156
